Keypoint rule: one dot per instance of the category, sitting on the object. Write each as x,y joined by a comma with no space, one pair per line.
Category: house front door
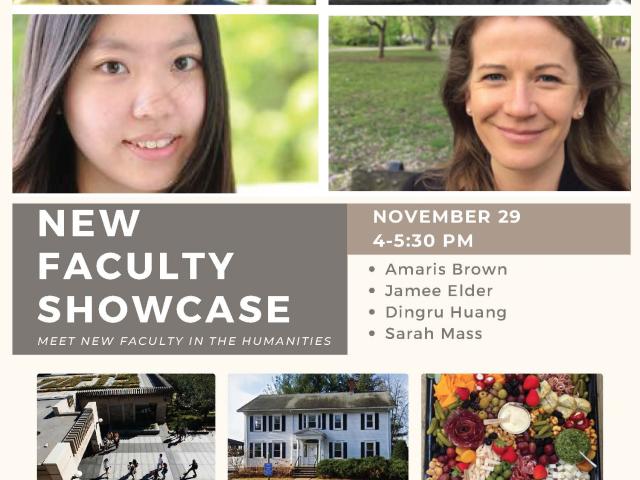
310,453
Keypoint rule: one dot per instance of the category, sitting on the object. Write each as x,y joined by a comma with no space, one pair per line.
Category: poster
339,239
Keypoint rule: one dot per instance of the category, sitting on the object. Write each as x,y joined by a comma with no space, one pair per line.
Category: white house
301,429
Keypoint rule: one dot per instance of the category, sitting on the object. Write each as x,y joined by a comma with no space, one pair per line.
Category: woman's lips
521,135
153,148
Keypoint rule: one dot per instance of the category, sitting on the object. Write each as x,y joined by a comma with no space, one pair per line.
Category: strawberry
509,455
530,382
539,472
498,447
533,399
463,393
462,466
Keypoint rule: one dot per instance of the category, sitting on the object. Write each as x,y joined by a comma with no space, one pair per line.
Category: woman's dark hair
593,154
44,151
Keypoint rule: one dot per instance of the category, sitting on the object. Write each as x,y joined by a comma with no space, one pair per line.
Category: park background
384,92
273,94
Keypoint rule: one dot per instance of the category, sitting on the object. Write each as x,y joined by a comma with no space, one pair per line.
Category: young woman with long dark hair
123,103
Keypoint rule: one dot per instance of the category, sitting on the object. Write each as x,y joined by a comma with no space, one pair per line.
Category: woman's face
134,102
523,93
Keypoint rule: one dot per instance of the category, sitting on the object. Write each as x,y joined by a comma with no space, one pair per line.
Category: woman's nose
153,98
521,101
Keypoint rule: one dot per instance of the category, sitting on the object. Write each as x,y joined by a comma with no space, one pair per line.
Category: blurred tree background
384,90
271,63
272,71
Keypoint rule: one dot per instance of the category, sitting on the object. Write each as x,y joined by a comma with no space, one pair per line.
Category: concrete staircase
304,472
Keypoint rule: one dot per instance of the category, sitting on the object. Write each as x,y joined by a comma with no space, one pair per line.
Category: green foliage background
271,63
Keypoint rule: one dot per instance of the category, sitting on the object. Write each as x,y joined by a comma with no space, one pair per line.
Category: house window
257,423
257,450
337,422
337,450
277,423
370,449
312,421
277,450
369,423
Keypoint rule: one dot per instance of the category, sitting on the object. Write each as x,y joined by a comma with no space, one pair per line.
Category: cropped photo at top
139,103
530,103
169,2
479,2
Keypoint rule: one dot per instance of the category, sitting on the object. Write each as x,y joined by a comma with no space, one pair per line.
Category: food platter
512,427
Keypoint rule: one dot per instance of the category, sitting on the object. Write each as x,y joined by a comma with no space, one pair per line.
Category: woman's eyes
185,63
113,68
499,77
548,79
494,77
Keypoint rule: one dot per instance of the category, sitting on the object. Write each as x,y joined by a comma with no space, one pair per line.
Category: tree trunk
429,31
381,34
381,26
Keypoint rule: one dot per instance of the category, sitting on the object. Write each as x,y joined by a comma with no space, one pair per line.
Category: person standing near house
107,466
116,440
192,468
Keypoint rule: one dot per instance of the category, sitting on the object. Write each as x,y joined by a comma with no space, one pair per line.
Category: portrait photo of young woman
145,103
509,103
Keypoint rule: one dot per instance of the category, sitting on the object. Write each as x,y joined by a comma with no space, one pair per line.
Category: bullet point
372,268
371,333
372,311
372,290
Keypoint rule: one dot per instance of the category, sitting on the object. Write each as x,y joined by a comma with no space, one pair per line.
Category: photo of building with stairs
87,422
294,433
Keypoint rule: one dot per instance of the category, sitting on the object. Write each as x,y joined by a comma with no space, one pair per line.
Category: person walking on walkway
192,468
133,469
160,463
107,466
165,469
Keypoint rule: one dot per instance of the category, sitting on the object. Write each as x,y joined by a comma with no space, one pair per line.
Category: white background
584,307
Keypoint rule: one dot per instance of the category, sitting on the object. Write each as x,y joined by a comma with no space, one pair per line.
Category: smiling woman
532,102
123,103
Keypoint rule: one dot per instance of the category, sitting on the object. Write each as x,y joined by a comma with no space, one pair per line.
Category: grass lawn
390,109
382,110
